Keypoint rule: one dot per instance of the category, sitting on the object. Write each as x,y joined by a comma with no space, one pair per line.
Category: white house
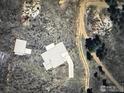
57,55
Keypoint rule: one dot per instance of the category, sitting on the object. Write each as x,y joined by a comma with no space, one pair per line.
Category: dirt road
82,32
80,28
108,74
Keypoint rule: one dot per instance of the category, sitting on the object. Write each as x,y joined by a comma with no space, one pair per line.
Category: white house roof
55,57
50,46
20,47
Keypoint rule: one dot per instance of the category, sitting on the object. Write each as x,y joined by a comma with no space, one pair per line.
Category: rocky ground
27,73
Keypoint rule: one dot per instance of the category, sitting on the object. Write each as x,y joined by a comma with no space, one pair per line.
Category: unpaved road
80,28
108,74
82,32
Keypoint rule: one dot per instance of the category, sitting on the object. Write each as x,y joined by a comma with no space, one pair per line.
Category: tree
100,69
111,2
101,51
95,74
93,44
89,56
123,7
90,45
104,82
89,90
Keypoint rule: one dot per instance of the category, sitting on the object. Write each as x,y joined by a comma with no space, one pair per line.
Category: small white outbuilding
57,55
20,47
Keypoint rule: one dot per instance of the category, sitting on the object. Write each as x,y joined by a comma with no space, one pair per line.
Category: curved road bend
81,31
80,28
